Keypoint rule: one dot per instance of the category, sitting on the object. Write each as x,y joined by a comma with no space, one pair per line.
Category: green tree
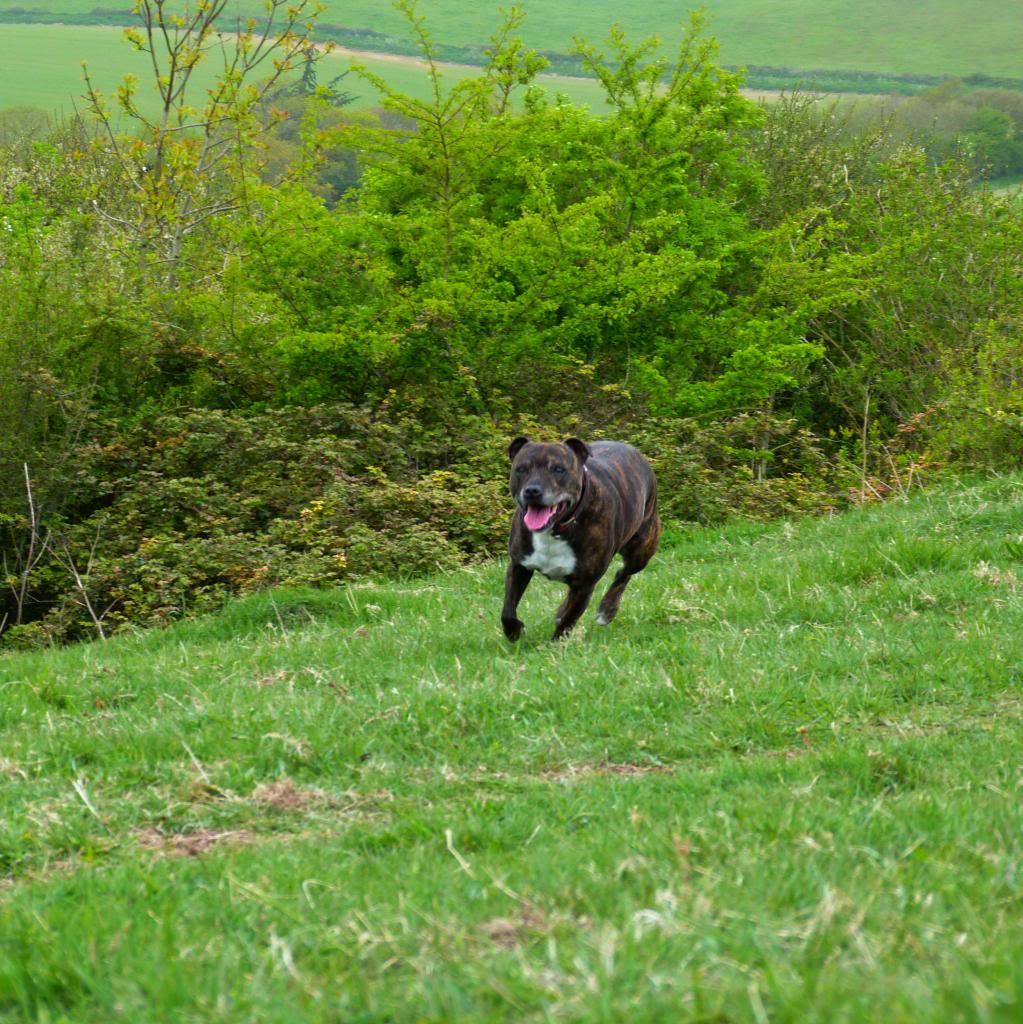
505,235
170,164
997,146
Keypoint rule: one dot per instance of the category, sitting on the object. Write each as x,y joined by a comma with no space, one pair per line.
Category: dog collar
559,528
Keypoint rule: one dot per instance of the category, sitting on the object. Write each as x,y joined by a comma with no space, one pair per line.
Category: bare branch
186,142
81,584
37,544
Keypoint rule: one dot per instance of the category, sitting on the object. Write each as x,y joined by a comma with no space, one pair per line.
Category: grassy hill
784,785
934,37
860,46
40,66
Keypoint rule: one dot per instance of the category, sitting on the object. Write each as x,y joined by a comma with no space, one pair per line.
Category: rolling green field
939,37
785,785
40,66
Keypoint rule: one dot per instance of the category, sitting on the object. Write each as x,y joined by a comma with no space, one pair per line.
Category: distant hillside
929,37
40,66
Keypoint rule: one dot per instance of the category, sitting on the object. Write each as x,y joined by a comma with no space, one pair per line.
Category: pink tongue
538,516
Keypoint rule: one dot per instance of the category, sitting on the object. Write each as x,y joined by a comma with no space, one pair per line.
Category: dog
578,505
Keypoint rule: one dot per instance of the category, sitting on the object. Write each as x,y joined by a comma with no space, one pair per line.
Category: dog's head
546,479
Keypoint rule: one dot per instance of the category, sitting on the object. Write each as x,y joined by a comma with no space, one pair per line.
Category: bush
753,467
978,421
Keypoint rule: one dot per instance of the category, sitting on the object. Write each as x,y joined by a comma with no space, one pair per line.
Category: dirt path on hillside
417,62
390,58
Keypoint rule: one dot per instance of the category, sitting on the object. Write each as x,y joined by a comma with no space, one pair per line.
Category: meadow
783,786
934,37
40,66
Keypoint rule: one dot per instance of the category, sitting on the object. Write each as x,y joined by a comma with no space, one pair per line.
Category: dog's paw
513,628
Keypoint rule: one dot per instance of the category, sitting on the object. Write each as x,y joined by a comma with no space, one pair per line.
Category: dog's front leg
515,582
572,607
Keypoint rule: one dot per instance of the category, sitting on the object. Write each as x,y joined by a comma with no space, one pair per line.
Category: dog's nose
532,493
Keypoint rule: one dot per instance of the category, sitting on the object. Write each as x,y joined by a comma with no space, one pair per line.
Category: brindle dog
578,506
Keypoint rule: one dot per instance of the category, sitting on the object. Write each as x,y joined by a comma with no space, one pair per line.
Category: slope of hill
929,37
784,785
40,66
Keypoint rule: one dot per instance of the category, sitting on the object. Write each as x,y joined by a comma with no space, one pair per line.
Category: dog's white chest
552,556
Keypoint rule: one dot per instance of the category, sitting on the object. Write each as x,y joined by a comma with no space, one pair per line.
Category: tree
171,162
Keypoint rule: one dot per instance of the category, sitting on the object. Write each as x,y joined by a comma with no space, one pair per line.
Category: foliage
749,466
937,264
484,241
922,277
177,514
981,127
68,323
980,419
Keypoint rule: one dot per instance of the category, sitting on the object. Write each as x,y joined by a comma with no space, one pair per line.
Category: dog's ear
581,449
516,446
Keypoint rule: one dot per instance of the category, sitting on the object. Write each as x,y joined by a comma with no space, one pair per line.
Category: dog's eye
559,470
520,469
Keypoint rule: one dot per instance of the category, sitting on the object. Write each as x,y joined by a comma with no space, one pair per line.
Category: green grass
784,785
40,66
941,37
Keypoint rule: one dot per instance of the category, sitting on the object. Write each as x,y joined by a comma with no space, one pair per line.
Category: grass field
40,66
926,37
785,785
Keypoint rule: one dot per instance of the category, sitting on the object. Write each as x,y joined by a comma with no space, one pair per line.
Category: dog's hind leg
635,556
571,608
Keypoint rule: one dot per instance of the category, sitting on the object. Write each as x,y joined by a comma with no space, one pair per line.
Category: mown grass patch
784,785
